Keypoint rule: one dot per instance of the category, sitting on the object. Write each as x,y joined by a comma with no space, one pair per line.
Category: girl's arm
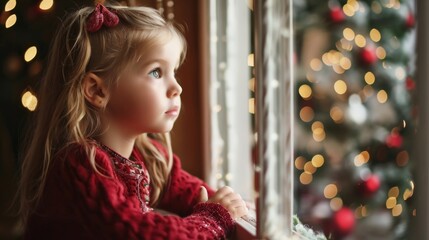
104,208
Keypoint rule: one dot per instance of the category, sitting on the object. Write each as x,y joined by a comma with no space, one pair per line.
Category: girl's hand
230,200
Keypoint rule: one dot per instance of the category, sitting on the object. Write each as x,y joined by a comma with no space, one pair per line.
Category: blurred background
355,112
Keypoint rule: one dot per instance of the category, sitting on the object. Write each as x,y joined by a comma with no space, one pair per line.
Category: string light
317,160
376,7
336,114
393,192
360,41
30,54
10,5
316,64
390,202
369,78
306,114
375,35
349,34
336,204
361,211
318,131
46,4
397,210
340,87
308,167
345,63
382,96
402,159
380,52
330,191
305,91
10,21
361,158
299,162
306,178
29,101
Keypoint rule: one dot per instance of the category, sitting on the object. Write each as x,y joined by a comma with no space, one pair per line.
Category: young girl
99,164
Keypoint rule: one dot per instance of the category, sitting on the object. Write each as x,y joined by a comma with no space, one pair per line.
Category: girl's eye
156,73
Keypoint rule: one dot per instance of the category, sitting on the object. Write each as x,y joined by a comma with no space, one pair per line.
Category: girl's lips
174,111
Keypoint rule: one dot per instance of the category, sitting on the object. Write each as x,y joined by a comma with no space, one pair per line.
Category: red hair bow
99,17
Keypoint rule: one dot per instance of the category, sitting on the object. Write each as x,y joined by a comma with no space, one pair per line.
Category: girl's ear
94,90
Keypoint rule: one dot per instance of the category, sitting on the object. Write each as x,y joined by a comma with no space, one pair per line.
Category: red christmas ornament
410,84
394,140
411,21
337,15
368,56
370,186
343,222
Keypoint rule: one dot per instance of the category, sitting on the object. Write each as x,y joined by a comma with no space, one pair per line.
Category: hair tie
99,17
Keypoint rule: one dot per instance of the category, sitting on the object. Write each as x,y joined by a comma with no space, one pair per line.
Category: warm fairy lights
375,35
340,87
10,21
46,4
10,5
330,191
29,101
305,91
382,96
30,54
306,114
369,78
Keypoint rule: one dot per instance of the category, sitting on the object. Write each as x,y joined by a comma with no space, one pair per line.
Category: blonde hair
64,117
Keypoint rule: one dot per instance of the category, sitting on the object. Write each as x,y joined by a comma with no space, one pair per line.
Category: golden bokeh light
397,210
360,40
390,202
380,52
393,192
29,101
375,35
306,178
46,4
336,204
316,64
349,34
305,91
10,5
306,114
299,162
340,87
330,191
30,54
337,114
402,159
317,160
369,78
10,21
382,96
308,167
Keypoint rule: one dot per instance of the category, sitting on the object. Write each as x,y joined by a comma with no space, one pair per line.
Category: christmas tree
354,116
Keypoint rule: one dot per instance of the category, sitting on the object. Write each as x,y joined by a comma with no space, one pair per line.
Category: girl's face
147,99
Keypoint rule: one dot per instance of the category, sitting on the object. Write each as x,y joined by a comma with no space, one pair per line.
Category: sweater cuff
218,213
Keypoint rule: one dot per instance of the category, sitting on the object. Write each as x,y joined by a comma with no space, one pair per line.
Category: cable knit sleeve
100,204
183,190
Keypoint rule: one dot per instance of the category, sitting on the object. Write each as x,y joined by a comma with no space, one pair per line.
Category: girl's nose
175,89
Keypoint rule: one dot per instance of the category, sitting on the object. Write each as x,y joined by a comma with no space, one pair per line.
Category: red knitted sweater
79,203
